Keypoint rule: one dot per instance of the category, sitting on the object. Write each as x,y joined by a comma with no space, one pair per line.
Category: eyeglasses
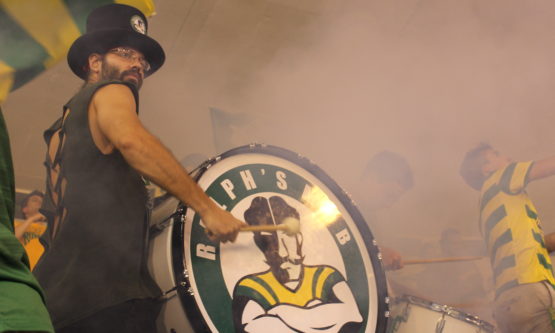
131,55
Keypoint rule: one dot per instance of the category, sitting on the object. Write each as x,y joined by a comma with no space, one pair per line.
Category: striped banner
36,34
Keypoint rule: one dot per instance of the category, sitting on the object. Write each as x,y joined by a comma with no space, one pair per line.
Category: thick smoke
338,81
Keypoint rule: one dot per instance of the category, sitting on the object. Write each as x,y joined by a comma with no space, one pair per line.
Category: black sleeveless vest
97,257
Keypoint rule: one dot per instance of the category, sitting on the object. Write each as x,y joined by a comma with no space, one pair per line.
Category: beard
110,72
275,262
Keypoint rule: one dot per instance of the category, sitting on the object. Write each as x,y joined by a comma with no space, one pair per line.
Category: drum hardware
184,285
412,314
165,293
159,227
440,324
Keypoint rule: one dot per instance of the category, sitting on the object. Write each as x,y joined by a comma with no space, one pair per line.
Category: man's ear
95,63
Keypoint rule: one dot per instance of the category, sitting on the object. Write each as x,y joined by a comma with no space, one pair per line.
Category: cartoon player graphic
290,296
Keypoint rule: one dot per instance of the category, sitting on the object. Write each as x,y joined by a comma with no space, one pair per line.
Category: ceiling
337,81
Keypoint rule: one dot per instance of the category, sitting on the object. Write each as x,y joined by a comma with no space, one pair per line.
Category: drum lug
185,285
189,290
440,324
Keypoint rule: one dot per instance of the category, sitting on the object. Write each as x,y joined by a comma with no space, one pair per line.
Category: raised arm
22,228
115,125
542,168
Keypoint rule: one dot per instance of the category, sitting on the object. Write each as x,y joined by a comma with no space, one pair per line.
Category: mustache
277,260
136,72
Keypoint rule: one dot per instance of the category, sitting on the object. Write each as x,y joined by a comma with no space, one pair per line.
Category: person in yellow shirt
517,247
29,230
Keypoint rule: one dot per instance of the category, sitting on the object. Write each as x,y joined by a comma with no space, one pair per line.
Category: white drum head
271,278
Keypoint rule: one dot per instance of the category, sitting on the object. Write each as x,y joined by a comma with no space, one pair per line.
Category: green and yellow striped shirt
512,230
316,284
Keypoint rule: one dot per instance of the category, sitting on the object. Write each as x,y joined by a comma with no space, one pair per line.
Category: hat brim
101,41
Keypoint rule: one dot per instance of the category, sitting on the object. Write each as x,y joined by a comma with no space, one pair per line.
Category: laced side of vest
56,180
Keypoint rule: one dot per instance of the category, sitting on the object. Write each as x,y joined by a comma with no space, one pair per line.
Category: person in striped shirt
517,247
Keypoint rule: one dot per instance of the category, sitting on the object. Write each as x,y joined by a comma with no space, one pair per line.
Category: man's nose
138,66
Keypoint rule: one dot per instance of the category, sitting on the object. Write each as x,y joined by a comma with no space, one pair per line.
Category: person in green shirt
22,306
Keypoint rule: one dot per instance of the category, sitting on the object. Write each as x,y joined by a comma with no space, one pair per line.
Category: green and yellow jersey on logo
512,231
316,284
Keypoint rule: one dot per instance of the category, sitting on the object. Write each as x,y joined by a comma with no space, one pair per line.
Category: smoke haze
338,81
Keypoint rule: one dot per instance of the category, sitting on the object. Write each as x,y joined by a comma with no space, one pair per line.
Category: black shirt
96,258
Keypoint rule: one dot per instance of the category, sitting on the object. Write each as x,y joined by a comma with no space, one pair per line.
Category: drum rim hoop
188,302
440,308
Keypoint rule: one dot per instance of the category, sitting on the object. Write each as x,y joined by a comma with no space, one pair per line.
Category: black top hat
111,26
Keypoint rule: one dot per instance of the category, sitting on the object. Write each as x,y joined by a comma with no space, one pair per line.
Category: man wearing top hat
94,271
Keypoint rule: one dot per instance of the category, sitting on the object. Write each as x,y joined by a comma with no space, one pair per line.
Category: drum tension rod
168,291
160,226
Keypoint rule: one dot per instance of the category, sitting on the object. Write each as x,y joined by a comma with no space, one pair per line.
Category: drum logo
280,281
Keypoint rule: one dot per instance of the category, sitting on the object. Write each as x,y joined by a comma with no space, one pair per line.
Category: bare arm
22,228
549,240
542,168
326,317
113,113
256,320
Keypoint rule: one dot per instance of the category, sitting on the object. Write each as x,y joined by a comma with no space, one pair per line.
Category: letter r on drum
343,236
206,251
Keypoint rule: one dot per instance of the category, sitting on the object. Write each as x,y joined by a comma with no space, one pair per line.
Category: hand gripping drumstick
290,226
440,260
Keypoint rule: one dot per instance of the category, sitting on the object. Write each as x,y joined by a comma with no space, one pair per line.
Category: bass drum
328,277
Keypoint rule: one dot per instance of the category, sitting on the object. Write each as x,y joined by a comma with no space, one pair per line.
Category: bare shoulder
114,94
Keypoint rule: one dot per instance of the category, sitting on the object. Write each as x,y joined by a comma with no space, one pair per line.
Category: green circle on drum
326,277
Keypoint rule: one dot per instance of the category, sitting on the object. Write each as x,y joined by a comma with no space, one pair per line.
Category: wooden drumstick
440,260
290,226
